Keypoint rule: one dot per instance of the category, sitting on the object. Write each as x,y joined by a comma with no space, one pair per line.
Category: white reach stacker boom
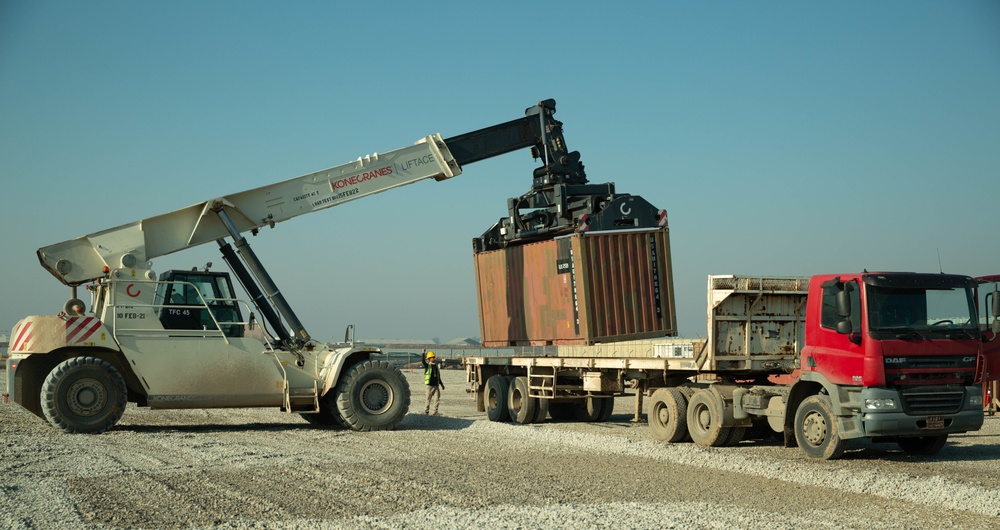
183,340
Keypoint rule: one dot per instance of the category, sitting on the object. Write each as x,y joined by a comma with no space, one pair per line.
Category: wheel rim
703,417
491,399
814,428
376,397
86,397
662,415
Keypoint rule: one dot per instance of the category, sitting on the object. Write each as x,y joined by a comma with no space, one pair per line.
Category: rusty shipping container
584,288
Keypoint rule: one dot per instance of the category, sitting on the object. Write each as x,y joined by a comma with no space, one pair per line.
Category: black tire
816,429
562,412
328,415
84,395
923,445
588,409
667,417
607,409
541,410
495,398
736,435
704,418
372,396
520,406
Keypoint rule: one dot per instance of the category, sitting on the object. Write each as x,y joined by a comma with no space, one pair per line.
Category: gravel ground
260,468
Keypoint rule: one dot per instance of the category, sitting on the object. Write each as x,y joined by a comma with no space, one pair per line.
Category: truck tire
607,408
923,445
704,418
84,395
590,409
495,398
328,415
816,428
372,396
667,417
521,407
736,435
562,412
541,410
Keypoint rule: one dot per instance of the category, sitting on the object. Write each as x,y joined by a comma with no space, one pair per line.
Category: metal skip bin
583,288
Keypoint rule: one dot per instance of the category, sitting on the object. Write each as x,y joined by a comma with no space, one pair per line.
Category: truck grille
922,401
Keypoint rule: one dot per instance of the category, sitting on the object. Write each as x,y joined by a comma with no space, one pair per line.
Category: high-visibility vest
427,373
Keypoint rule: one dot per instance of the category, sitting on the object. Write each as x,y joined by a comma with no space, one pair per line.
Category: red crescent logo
128,291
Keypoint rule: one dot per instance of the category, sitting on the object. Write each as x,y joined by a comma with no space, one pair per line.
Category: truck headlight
880,404
976,399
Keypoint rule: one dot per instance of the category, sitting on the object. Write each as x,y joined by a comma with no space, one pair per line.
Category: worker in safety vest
432,380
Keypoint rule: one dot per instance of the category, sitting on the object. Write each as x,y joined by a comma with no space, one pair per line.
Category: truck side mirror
843,306
996,305
844,327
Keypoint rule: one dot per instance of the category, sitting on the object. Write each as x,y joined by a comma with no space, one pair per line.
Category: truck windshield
930,313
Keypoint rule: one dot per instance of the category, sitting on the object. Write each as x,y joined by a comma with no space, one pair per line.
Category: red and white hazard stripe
662,218
79,329
22,337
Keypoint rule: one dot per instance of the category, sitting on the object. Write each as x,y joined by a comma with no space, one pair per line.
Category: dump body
584,288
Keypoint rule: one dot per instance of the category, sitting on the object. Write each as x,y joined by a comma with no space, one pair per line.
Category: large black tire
562,412
328,415
607,409
495,398
84,395
923,445
521,407
667,417
372,396
736,435
591,409
816,428
704,418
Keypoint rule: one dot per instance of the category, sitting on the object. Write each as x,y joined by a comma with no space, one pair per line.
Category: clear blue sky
783,138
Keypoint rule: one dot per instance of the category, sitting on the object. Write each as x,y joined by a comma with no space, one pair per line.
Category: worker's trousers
433,393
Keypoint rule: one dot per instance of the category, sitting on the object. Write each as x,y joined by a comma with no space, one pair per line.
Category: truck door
989,298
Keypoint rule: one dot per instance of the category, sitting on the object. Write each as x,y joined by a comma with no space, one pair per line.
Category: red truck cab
899,354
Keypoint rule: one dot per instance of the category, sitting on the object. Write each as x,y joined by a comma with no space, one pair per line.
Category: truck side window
830,317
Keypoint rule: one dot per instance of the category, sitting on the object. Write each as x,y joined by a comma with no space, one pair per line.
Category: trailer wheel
667,417
373,396
923,445
816,428
328,415
520,405
495,398
84,395
541,410
607,408
590,409
704,418
562,412
736,435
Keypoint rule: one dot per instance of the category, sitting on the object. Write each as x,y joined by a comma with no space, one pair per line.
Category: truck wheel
736,435
667,417
84,395
495,398
590,409
704,418
521,407
328,415
607,408
923,445
372,396
561,412
541,410
816,429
